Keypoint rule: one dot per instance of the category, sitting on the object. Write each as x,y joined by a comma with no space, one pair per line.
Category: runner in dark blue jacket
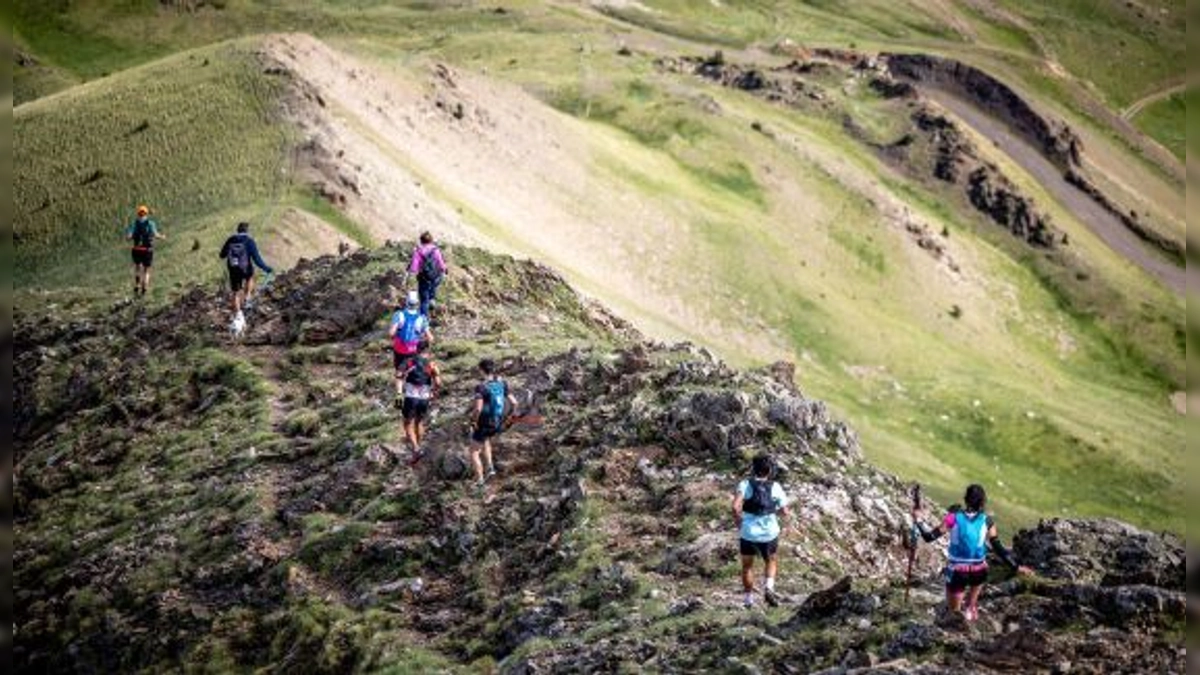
240,254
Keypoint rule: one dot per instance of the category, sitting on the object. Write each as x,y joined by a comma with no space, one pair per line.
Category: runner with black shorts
972,535
240,253
758,504
422,380
493,404
142,232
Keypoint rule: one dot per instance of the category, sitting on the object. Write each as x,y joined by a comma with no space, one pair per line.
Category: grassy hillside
1051,383
194,137
1164,121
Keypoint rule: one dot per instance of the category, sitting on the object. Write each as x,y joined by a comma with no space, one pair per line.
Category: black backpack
143,233
760,502
238,254
419,372
429,266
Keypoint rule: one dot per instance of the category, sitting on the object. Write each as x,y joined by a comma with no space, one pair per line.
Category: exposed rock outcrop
1057,141
249,496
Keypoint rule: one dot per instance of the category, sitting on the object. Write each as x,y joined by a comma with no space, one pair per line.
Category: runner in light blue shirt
758,505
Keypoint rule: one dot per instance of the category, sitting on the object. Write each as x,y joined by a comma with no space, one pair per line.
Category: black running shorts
763,549
399,360
143,257
415,408
238,277
958,580
484,432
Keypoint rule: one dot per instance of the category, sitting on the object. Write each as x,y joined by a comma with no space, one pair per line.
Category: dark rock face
1000,201
957,161
1103,553
1129,219
1058,142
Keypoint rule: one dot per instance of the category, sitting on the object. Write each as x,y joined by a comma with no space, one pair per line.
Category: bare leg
420,428
487,454
748,573
145,280
238,296
410,432
973,601
475,449
954,599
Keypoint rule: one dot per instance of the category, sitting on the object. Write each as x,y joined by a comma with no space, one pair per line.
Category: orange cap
143,210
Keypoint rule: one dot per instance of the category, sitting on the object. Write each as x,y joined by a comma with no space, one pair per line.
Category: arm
224,250
394,327
428,335
736,506
414,265
781,498
437,377
478,412
1003,553
441,261
129,231
927,533
258,258
157,232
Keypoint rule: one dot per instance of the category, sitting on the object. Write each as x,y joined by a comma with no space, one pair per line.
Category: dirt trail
1137,106
1105,225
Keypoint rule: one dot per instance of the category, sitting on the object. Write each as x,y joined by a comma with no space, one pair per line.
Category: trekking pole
913,534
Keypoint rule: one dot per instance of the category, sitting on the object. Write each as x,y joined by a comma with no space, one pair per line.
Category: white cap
413,299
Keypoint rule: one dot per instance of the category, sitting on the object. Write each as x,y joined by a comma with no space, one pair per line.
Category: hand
918,513
1024,571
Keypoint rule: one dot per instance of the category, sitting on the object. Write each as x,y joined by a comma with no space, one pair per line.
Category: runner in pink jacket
430,268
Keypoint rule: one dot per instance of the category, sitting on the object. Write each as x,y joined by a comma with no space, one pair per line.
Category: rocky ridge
183,500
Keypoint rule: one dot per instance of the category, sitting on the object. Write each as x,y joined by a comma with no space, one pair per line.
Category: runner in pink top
429,267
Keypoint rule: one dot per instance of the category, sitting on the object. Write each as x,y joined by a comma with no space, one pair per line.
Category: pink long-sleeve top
419,257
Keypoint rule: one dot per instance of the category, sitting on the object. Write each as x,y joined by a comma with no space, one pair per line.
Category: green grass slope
1050,387
193,136
1164,121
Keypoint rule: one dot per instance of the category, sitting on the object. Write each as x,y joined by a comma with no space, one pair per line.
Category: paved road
1106,226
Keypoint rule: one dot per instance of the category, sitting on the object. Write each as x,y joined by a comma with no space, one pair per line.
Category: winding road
1104,224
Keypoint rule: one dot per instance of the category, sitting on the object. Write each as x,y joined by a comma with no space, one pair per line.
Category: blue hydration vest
493,403
968,539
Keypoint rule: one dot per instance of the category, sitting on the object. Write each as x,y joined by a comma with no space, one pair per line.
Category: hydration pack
143,233
420,373
968,539
239,255
760,502
429,265
495,393
412,328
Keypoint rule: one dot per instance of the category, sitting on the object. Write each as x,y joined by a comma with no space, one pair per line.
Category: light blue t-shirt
761,528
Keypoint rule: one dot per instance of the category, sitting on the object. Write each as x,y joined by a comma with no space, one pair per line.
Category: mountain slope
187,502
675,200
